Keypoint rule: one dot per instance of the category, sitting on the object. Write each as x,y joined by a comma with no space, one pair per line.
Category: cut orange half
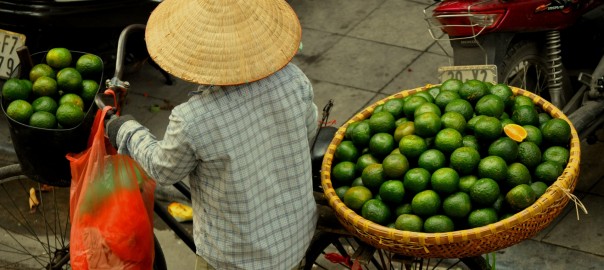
515,132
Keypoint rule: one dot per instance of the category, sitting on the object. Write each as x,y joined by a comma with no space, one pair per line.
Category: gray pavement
357,52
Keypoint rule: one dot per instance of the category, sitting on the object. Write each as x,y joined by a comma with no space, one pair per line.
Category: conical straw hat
222,42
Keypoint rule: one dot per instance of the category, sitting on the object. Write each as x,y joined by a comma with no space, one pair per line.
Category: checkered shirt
246,151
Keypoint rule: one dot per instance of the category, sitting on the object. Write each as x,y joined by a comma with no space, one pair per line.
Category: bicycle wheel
37,238
334,251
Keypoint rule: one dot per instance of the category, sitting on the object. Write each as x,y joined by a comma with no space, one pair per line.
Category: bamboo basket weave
461,243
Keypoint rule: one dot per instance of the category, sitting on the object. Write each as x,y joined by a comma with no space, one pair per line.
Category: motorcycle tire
525,66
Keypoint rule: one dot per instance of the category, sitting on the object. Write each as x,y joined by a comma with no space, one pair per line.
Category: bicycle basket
461,243
41,152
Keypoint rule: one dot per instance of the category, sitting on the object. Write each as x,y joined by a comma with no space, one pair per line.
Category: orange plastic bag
111,207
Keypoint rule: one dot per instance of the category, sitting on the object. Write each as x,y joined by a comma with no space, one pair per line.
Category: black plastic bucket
41,152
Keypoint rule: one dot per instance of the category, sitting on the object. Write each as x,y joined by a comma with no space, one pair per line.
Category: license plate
9,60
486,73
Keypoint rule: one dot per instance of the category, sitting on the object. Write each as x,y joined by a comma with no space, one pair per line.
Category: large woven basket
461,243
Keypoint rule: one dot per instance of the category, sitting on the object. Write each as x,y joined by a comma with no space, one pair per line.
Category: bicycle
41,237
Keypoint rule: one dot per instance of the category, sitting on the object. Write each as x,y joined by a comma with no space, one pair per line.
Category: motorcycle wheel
525,66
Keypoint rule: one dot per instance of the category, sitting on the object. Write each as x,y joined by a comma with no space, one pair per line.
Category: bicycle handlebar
119,87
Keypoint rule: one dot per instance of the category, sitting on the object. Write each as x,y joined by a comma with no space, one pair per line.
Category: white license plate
9,60
486,73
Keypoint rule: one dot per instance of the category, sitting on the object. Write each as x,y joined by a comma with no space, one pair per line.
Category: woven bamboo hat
222,42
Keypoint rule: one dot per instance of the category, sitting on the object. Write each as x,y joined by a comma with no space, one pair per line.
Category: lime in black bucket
41,152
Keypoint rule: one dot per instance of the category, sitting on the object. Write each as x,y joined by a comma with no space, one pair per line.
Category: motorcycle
553,48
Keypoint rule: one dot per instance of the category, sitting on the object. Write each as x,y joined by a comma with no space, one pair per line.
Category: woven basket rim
561,187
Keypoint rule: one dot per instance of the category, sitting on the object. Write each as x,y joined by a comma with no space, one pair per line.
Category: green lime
392,191
416,180
42,119
355,197
426,95
520,197
505,148
556,154
343,173
434,91
376,211
381,144
357,182
373,176
412,146
427,107
411,103
73,99
427,124
482,217
457,205
533,134
466,182
349,128
346,151
451,85
473,90
58,58
89,65
45,86
69,80
361,134
521,100
40,70
445,180
539,188
14,89
444,97
453,120
470,141
461,106
490,105
488,129
382,122
426,203
395,166
404,129
447,140
548,172
409,222
529,154
518,174
493,167
438,224
46,104
394,106
365,160
20,111
484,192
432,160
464,160
525,115
504,92
403,209
543,117
556,131
340,191
89,90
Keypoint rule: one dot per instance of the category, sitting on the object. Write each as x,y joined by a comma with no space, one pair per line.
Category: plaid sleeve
167,161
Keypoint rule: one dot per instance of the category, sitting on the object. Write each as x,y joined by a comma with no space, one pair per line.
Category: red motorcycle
550,47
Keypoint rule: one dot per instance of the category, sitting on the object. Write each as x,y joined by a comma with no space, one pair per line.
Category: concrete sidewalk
357,52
